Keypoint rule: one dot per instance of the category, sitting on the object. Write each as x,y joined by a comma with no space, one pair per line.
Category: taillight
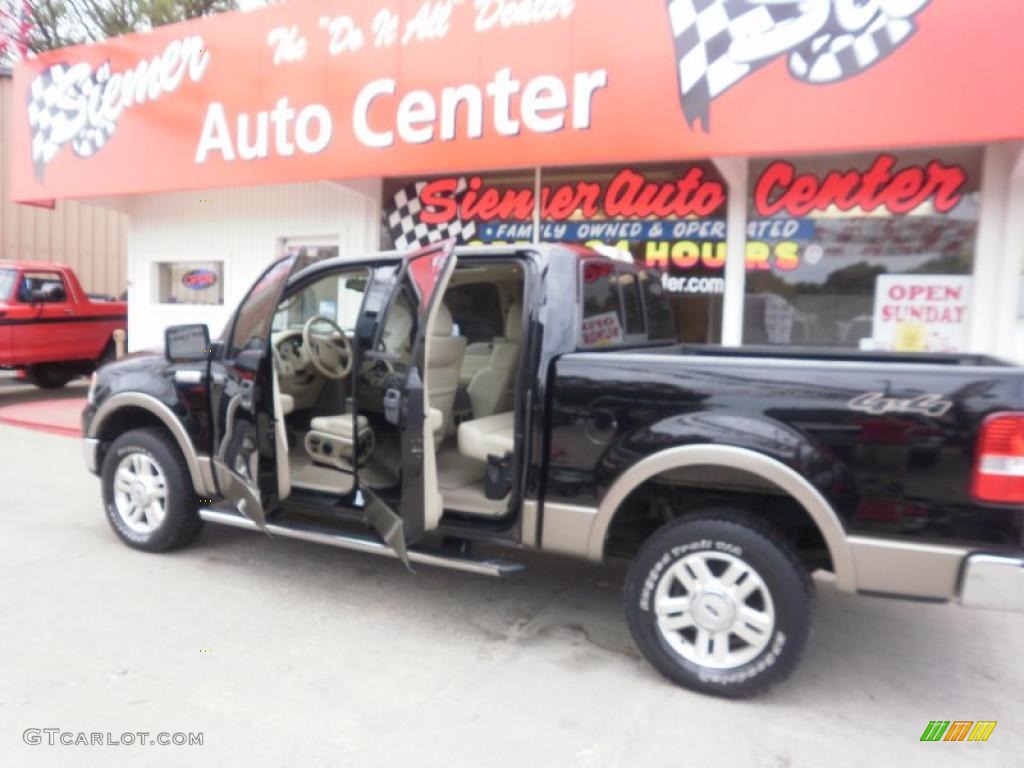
999,463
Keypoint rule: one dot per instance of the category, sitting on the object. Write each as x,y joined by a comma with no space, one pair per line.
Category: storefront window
189,282
416,212
871,251
667,217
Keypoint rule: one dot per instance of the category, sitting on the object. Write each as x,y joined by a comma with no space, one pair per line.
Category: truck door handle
69,311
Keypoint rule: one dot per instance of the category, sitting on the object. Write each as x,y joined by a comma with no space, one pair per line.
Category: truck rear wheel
718,603
147,492
53,376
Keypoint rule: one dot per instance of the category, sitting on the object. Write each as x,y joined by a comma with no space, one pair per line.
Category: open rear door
426,272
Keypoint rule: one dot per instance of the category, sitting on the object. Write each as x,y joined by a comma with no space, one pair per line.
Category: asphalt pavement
282,653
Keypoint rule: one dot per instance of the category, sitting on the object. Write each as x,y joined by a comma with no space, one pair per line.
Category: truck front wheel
719,603
147,492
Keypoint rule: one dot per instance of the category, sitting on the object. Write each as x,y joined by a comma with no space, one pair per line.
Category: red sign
199,279
781,189
628,194
339,88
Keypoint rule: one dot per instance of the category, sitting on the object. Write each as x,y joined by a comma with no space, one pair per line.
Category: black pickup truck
421,405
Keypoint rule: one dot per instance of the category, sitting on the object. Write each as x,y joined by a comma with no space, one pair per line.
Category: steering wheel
330,353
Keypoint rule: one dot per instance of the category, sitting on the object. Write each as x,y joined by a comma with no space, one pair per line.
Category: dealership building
831,175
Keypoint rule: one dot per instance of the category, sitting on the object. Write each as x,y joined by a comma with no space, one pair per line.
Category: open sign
199,279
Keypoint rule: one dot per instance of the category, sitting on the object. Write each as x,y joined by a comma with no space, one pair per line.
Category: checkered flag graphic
720,42
408,231
56,118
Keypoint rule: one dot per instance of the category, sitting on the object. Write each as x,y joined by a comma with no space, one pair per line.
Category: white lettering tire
719,603
147,492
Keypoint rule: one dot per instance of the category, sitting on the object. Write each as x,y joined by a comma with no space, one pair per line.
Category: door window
254,317
632,305
51,283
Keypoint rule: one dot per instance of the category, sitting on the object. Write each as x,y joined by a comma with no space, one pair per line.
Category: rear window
602,307
661,320
622,306
632,304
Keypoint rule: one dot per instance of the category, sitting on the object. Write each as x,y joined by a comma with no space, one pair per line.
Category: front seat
444,360
490,391
331,440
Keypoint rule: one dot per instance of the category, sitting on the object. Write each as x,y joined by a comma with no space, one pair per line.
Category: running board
368,544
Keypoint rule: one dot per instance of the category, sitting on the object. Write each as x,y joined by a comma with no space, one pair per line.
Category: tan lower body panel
913,570
567,528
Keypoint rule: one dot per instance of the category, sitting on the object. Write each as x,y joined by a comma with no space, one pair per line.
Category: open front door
425,273
243,401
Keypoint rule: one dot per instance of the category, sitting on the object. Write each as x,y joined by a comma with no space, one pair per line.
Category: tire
682,642
49,376
149,455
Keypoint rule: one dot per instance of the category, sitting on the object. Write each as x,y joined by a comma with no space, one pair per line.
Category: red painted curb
57,417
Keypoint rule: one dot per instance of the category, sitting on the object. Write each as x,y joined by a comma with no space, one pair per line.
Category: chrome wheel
714,610
140,493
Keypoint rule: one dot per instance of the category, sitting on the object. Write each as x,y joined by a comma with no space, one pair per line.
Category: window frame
201,262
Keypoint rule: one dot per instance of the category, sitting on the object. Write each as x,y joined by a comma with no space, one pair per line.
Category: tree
33,26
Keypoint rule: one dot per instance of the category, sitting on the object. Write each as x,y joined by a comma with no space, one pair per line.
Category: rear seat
489,436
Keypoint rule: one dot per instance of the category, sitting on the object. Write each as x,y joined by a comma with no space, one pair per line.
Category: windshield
336,297
7,277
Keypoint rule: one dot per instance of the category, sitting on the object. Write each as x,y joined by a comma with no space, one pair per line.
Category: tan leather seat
490,436
444,360
330,440
340,425
491,389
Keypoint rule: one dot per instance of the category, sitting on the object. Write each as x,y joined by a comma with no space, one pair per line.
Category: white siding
242,227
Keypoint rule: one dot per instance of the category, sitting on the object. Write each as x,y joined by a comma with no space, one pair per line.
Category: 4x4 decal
877,403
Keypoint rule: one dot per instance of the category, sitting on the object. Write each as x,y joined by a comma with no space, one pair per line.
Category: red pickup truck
50,328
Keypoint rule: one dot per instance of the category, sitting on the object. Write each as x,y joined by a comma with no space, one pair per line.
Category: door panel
244,403
47,331
427,272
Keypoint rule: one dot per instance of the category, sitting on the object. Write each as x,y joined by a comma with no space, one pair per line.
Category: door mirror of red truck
187,343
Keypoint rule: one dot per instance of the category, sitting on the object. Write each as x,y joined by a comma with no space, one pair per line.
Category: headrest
443,323
514,322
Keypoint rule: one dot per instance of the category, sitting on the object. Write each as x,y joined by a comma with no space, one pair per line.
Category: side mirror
38,295
187,343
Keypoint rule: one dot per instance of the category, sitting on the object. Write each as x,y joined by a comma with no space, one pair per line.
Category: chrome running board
368,544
